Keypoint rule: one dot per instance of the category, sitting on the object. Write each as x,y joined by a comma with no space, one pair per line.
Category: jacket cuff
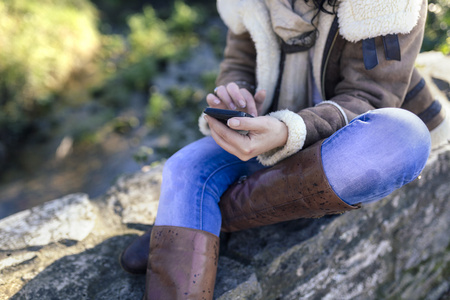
296,138
344,115
203,125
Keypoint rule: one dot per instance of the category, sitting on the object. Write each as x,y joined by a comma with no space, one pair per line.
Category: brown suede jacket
358,76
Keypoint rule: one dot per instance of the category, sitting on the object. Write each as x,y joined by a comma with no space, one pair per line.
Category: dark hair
320,3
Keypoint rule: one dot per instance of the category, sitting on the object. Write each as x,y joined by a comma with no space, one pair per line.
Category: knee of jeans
178,183
382,150
180,166
407,126
406,133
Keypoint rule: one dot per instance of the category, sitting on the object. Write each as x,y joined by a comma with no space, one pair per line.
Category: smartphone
224,114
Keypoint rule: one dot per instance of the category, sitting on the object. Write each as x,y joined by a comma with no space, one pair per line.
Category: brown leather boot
182,264
135,257
293,188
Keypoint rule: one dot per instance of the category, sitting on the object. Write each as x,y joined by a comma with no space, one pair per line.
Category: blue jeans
375,154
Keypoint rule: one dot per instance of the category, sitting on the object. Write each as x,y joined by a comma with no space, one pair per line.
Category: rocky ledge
397,248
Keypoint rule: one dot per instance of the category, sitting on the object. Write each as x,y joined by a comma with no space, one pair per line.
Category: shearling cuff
203,125
296,138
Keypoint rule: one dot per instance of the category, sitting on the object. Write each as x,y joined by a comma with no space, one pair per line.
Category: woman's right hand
234,98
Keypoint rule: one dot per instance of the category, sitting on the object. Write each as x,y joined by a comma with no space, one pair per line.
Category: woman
343,118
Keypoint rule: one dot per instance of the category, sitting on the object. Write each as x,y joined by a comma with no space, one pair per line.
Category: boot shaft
294,188
182,264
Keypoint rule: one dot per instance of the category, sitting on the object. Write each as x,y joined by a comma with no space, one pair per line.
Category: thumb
255,124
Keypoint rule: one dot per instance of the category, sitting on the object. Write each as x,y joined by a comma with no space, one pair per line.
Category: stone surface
135,197
69,218
397,248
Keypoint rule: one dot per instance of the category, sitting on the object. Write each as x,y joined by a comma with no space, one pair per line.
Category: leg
375,154
193,181
184,242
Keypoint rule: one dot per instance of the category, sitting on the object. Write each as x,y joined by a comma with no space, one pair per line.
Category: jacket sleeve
239,62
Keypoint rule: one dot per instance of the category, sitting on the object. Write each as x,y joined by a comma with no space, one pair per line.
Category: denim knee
414,139
378,152
186,171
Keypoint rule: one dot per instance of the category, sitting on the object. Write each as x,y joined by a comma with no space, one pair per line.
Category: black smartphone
224,114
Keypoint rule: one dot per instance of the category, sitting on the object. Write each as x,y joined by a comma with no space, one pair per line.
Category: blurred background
91,90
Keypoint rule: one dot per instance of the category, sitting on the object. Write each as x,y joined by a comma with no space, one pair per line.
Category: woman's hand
264,133
232,97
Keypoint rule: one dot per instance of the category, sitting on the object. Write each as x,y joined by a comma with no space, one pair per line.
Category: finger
234,143
214,101
258,124
221,129
251,105
260,97
220,135
235,93
222,143
222,94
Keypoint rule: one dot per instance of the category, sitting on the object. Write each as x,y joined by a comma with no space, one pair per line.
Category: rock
434,66
70,218
135,197
397,248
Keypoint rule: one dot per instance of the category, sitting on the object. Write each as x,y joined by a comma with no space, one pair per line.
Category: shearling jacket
362,58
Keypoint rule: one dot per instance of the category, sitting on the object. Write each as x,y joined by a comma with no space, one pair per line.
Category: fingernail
232,106
242,103
233,122
216,101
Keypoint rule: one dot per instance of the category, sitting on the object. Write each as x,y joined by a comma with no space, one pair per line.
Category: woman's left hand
264,133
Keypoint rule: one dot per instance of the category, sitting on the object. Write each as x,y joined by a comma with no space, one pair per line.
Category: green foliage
214,36
183,97
124,124
437,30
42,44
152,36
130,64
208,80
176,102
143,154
92,129
52,55
158,104
149,36
184,19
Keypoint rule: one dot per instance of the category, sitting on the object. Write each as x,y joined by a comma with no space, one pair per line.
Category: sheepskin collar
358,19
362,19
